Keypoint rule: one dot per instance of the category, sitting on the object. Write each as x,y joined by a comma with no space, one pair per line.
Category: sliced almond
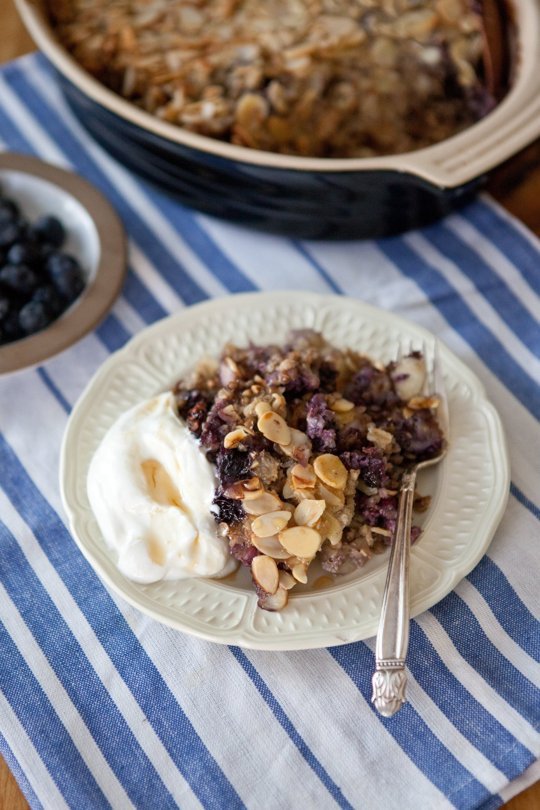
274,428
252,495
331,470
299,572
265,573
270,523
299,447
271,547
262,407
275,601
286,580
266,502
235,491
378,436
244,490
419,403
303,477
252,484
287,491
330,529
279,403
301,541
334,498
309,511
342,406
235,437
381,531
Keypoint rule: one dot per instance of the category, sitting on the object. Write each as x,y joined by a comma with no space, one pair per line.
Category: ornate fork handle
389,680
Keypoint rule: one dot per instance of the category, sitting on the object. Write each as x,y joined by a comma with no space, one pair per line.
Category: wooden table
516,185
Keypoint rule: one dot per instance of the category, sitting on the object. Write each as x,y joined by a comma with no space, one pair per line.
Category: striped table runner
102,707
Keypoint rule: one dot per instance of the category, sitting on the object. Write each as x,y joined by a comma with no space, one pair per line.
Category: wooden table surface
516,185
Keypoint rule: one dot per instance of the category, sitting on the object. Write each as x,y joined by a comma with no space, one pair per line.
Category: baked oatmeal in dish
327,78
309,443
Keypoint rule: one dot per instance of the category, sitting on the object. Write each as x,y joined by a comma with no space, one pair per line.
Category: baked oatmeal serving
327,78
309,444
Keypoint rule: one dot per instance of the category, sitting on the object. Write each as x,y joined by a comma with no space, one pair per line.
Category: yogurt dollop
151,490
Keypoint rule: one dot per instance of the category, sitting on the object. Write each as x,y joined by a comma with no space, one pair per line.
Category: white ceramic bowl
95,237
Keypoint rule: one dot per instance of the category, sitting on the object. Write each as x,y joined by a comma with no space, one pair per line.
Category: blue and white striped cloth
100,706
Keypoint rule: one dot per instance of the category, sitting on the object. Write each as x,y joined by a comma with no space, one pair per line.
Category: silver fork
389,680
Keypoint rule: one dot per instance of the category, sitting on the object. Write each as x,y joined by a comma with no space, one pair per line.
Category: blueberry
10,232
9,211
49,230
46,294
11,326
4,307
66,275
19,278
23,253
57,262
33,317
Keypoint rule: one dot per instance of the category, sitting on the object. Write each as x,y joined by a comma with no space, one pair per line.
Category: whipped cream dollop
151,490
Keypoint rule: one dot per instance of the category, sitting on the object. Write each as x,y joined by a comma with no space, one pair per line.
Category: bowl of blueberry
62,260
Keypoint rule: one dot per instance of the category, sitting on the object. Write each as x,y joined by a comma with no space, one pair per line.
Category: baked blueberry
19,278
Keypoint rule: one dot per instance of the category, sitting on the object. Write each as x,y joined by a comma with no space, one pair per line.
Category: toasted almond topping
286,580
252,494
266,502
279,403
235,491
380,437
301,541
299,447
271,547
342,406
265,573
419,403
234,437
252,484
262,407
330,529
228,410
380,530
303,477
287,491
333,497
271,523
274,428
331,470
275,601
299,572
309,511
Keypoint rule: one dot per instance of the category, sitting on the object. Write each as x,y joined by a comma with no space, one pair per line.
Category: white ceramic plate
469,488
